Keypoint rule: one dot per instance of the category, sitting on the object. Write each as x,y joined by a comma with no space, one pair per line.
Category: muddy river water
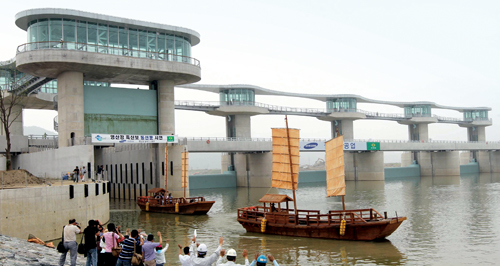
452,220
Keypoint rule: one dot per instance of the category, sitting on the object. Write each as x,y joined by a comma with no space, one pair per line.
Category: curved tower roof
24,17
323,97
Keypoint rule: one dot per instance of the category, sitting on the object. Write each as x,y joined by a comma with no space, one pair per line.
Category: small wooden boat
359,224
157,200
194,205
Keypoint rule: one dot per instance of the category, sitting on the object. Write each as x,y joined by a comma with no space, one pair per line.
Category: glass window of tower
105,38
233,96
341,105
418,111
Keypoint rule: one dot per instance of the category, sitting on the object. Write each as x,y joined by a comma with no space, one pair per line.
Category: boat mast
166,165
183,175
291,169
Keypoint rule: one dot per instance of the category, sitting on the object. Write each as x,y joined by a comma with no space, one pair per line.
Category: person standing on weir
202,252
70,232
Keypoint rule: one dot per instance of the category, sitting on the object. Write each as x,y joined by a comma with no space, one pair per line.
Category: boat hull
187,208
371,230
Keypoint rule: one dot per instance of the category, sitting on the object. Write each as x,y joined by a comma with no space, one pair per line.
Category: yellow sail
185,168
335,175
281,159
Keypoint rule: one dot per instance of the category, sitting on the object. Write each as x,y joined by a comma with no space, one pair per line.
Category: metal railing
224,139
417,141
308,111
96,48
7,62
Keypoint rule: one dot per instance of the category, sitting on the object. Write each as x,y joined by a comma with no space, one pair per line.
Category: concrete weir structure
75,47
238,104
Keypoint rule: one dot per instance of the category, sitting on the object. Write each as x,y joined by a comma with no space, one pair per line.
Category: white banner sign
312,146
348,146
125,138
354,146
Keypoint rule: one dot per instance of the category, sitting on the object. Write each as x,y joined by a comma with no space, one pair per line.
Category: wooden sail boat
158,201
360,224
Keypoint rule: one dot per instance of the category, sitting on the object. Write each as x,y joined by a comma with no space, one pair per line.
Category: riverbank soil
19,178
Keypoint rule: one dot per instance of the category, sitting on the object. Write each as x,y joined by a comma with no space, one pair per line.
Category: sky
443,51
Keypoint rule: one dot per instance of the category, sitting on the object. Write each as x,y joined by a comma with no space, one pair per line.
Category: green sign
373,146
171,139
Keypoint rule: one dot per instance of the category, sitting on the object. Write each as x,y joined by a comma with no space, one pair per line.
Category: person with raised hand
261,260
231,258
201,260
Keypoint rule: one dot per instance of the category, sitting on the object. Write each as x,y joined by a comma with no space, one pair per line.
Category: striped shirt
128,248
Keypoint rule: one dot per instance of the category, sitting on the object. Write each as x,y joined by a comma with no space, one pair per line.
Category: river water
452,220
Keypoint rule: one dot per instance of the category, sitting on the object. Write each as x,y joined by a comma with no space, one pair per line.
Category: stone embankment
15,251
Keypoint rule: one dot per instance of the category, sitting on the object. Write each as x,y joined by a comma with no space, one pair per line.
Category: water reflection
447,216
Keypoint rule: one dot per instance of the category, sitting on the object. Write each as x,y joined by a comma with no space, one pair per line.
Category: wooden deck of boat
190,206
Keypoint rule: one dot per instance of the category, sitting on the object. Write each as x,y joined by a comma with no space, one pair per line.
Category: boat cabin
274,201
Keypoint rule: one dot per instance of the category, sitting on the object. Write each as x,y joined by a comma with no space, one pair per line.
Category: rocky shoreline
15,251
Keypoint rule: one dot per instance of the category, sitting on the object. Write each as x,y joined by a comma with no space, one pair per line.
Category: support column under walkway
70,108
166,126
364,166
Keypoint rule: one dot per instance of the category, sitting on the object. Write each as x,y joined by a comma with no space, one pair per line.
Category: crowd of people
80,174
109,247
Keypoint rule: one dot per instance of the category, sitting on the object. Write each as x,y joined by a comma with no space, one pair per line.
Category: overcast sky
446,52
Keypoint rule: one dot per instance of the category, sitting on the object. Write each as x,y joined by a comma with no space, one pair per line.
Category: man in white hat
231,258
201,260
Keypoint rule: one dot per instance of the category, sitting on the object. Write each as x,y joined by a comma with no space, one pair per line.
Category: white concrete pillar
439,163
476,133
344,127
489,161
418,132
166,107
364,166
238,126
253,169
166,126
70,108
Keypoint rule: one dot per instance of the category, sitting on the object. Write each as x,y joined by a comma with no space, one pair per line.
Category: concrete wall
225,180
229,146
253,169
43,211
18,143
396,172
365,166
439,163
130,168
110,110
55,162
312,176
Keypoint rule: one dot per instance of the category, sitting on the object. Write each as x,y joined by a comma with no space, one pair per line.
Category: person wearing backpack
70,232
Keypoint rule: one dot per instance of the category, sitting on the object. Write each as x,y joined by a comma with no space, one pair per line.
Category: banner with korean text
126,138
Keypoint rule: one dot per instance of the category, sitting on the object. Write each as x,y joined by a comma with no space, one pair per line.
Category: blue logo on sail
311,145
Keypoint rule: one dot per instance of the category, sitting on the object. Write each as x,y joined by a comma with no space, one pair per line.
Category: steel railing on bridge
103,49
275,109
